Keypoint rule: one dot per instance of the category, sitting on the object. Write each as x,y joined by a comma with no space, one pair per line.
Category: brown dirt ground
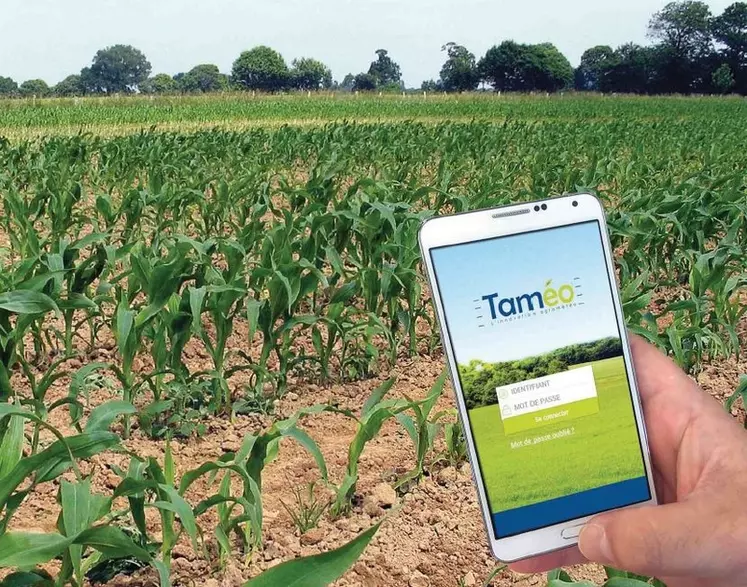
433,536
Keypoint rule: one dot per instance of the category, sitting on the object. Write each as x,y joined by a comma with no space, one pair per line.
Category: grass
307,509
603,449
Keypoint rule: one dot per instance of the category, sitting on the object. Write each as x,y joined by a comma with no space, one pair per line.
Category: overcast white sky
50,39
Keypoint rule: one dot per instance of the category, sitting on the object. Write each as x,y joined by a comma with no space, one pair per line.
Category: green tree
631,70
8,87
120,68
347,83
432,86
34,87
730,30
684,55
504,67
203,78
161,83
70,86
723,79
594,62
459,73
511,66
310,74
261,68
384,70
551,69
684,26
364,82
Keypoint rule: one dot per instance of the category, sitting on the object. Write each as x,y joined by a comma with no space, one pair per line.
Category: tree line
479,380
123,69
694,51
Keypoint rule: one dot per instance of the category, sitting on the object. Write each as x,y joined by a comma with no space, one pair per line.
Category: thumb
667,540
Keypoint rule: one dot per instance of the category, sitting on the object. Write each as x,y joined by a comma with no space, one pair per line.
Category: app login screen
540,361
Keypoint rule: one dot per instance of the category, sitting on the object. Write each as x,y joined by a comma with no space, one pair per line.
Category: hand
699,452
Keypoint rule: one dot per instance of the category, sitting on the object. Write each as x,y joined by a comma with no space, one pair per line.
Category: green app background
603,448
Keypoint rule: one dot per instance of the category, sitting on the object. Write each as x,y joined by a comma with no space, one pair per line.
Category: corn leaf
103,416
26,302
375,398
23,549
28,579
178,505
11,447
112,543
316,571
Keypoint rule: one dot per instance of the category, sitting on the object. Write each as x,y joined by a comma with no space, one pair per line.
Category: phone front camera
575,204
544,206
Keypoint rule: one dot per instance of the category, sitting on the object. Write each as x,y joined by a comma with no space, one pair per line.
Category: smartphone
535,339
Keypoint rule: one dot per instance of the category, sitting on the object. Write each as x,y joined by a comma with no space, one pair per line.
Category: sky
522,264
50,39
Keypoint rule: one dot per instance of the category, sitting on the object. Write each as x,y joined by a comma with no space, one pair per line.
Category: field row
21,118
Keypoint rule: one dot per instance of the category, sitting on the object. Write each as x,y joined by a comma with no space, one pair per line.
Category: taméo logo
550,297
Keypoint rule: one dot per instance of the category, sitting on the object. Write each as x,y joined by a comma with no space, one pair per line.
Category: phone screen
535,335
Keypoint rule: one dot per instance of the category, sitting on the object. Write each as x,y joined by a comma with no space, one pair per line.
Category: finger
670,402
676,409
675,539
659,377
547,562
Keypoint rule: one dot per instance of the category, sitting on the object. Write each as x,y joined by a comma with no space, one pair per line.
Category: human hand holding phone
699,535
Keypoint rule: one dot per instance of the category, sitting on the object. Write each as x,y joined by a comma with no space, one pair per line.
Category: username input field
548,400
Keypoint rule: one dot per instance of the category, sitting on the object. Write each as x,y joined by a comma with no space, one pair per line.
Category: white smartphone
535,338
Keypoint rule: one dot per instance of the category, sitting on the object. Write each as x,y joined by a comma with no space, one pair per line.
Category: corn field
262,285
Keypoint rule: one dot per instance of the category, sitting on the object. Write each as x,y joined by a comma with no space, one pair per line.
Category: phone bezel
505,221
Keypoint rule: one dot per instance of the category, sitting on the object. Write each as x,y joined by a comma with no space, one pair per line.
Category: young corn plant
705,322
423,428
71,279
332,331
80,509
39,389
276,318
221,294
169,333
19,310
374,413
241,514
455,452
18,222
80,533
149,485
160,280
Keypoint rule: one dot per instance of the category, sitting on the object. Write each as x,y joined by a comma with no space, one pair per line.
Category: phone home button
572,532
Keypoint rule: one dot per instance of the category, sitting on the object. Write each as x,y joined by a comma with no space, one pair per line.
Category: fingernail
594,545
